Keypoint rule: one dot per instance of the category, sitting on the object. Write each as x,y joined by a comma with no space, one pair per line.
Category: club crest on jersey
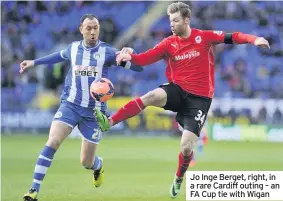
89,71
96,56
198,39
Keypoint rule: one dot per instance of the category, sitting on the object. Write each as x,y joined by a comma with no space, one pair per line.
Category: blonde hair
181,7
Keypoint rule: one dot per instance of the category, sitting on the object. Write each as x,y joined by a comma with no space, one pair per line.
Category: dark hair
181,7
89,16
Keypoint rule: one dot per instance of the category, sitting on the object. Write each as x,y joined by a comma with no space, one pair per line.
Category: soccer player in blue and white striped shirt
90,59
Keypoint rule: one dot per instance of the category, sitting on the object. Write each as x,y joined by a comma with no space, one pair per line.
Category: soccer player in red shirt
190,71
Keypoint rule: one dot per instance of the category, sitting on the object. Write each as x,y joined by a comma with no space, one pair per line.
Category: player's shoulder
201,36
109,48
198,31
205,32
104,44
170,38
68,48
73,44
76,42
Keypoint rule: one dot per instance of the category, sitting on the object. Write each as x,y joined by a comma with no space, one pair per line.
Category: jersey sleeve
214,37
66,53
152,55
112,56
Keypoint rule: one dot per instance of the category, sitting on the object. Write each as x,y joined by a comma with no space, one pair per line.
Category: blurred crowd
31,29
245,116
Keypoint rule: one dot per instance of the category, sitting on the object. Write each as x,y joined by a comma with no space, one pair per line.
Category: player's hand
261,42
123,57
125,50
26,64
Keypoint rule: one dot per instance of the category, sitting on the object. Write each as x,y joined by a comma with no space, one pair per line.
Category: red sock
129,110
183,165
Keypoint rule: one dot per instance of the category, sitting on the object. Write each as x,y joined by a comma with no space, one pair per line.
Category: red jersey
190,61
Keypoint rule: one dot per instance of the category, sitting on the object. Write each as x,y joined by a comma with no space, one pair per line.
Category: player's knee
188,142
154,98
187,147
148,98
58,132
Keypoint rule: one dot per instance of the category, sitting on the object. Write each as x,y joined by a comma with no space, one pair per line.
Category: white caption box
234,185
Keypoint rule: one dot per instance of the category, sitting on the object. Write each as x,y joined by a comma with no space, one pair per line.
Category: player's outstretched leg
156,97
129,110
58,132
185,157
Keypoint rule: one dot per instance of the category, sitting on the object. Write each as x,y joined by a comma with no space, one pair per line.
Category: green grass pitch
136,168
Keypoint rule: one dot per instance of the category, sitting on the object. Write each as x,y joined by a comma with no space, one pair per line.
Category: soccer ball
102,90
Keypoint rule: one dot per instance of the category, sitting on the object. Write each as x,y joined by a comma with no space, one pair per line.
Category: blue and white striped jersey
87,65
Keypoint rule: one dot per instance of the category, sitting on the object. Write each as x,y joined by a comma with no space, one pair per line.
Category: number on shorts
200,117
95,134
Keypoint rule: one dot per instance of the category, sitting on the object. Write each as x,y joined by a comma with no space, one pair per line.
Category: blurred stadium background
245,124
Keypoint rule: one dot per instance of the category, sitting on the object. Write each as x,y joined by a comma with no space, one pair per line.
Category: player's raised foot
176,187
102,120
31,195
98,176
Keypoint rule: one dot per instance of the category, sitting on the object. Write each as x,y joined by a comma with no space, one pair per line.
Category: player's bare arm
125,50
242,38
126,63
26,64
123,57
261,42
